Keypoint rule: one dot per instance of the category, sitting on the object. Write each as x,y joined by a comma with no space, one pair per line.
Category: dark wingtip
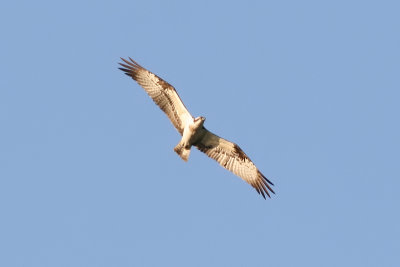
124,60
265,178
265,184
126,72
262,193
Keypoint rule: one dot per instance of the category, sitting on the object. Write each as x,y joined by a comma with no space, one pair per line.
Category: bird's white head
199,121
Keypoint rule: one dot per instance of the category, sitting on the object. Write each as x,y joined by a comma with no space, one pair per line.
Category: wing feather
230,156
162,93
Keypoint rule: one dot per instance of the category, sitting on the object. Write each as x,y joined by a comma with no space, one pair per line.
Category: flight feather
230,156
162,93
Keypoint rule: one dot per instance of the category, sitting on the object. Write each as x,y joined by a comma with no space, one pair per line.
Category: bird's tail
182,151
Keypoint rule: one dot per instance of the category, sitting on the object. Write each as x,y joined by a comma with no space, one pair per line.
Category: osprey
229,155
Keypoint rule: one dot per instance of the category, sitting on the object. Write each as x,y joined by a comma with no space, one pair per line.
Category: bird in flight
228,154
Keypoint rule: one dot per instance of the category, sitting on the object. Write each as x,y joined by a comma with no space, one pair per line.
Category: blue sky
308,89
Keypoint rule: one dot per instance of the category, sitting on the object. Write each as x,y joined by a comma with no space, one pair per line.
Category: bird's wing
162,93
230,156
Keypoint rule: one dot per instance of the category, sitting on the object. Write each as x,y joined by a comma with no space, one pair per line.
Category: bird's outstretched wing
162,93
230,156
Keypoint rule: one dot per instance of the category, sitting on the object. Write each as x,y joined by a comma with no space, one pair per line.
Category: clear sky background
308,89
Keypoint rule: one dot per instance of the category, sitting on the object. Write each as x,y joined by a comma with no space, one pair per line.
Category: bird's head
199,121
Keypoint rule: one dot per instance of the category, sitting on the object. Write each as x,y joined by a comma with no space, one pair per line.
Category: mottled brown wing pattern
230,156
162,93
